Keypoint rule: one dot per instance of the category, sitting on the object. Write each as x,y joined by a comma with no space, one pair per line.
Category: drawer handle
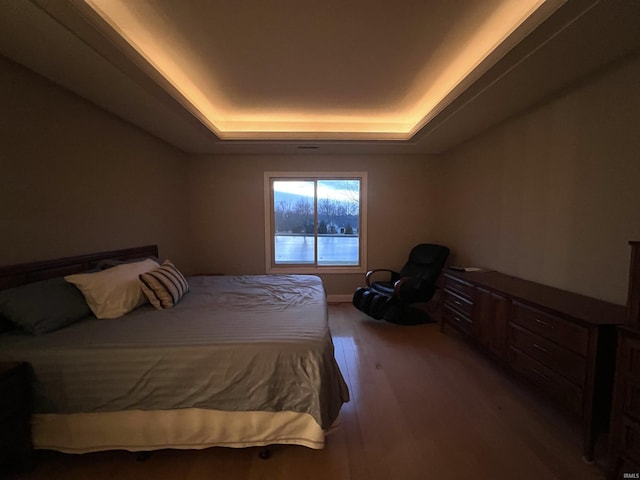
543,323
540,374
458,319
457,302
539,347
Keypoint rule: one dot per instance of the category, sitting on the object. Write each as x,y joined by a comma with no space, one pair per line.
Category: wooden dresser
560,342
15,415
625,417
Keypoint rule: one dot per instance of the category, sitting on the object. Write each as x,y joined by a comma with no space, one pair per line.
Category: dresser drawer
547,380
631,405
630,356
629,375
14,394
458,303
630,441
563,332
570,365
624,465
460,287
458,320
15,429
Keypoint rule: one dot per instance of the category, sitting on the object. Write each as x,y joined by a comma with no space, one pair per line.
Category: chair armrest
397,286
370,274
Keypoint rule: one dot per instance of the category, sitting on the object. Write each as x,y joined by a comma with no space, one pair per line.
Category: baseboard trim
339,298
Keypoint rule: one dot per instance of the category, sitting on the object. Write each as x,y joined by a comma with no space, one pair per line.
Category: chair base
412,314
381,307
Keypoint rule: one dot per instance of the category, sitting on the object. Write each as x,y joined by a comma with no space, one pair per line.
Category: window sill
311,270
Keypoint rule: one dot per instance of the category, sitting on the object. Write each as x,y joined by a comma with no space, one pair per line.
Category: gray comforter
244,343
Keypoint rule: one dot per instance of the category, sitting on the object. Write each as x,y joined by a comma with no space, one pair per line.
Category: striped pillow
164,286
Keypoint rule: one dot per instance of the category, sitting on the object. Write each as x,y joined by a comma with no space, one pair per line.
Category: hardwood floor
424,405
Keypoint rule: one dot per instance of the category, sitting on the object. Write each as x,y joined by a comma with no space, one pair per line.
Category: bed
239,361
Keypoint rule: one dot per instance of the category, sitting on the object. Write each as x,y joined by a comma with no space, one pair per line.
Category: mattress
232,344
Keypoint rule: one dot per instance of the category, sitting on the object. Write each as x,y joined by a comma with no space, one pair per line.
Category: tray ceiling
325,70
414,76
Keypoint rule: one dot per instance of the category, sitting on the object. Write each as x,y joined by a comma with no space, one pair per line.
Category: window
315,222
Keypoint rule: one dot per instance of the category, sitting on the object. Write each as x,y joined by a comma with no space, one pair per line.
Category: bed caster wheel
265,454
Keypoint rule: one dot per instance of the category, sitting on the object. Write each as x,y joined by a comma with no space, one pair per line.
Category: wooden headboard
15,275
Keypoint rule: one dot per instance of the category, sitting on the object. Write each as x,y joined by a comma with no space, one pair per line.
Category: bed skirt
189,428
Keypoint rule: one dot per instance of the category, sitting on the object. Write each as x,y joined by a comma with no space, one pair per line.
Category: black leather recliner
394,299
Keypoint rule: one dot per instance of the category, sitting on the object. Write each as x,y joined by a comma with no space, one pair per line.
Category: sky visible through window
326,189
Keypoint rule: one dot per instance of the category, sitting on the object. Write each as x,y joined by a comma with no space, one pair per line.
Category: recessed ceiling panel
320,70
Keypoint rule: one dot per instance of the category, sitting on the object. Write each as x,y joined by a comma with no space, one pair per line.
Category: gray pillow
44,306
5,325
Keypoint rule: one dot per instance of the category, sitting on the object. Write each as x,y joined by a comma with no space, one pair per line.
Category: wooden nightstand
16,451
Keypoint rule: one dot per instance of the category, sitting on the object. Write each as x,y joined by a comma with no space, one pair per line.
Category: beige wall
227,196
553,195
549,196
77,180
74,179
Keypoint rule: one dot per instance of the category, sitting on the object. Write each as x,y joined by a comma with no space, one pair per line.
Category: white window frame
271,267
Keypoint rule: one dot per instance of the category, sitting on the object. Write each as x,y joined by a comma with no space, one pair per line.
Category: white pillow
113,292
